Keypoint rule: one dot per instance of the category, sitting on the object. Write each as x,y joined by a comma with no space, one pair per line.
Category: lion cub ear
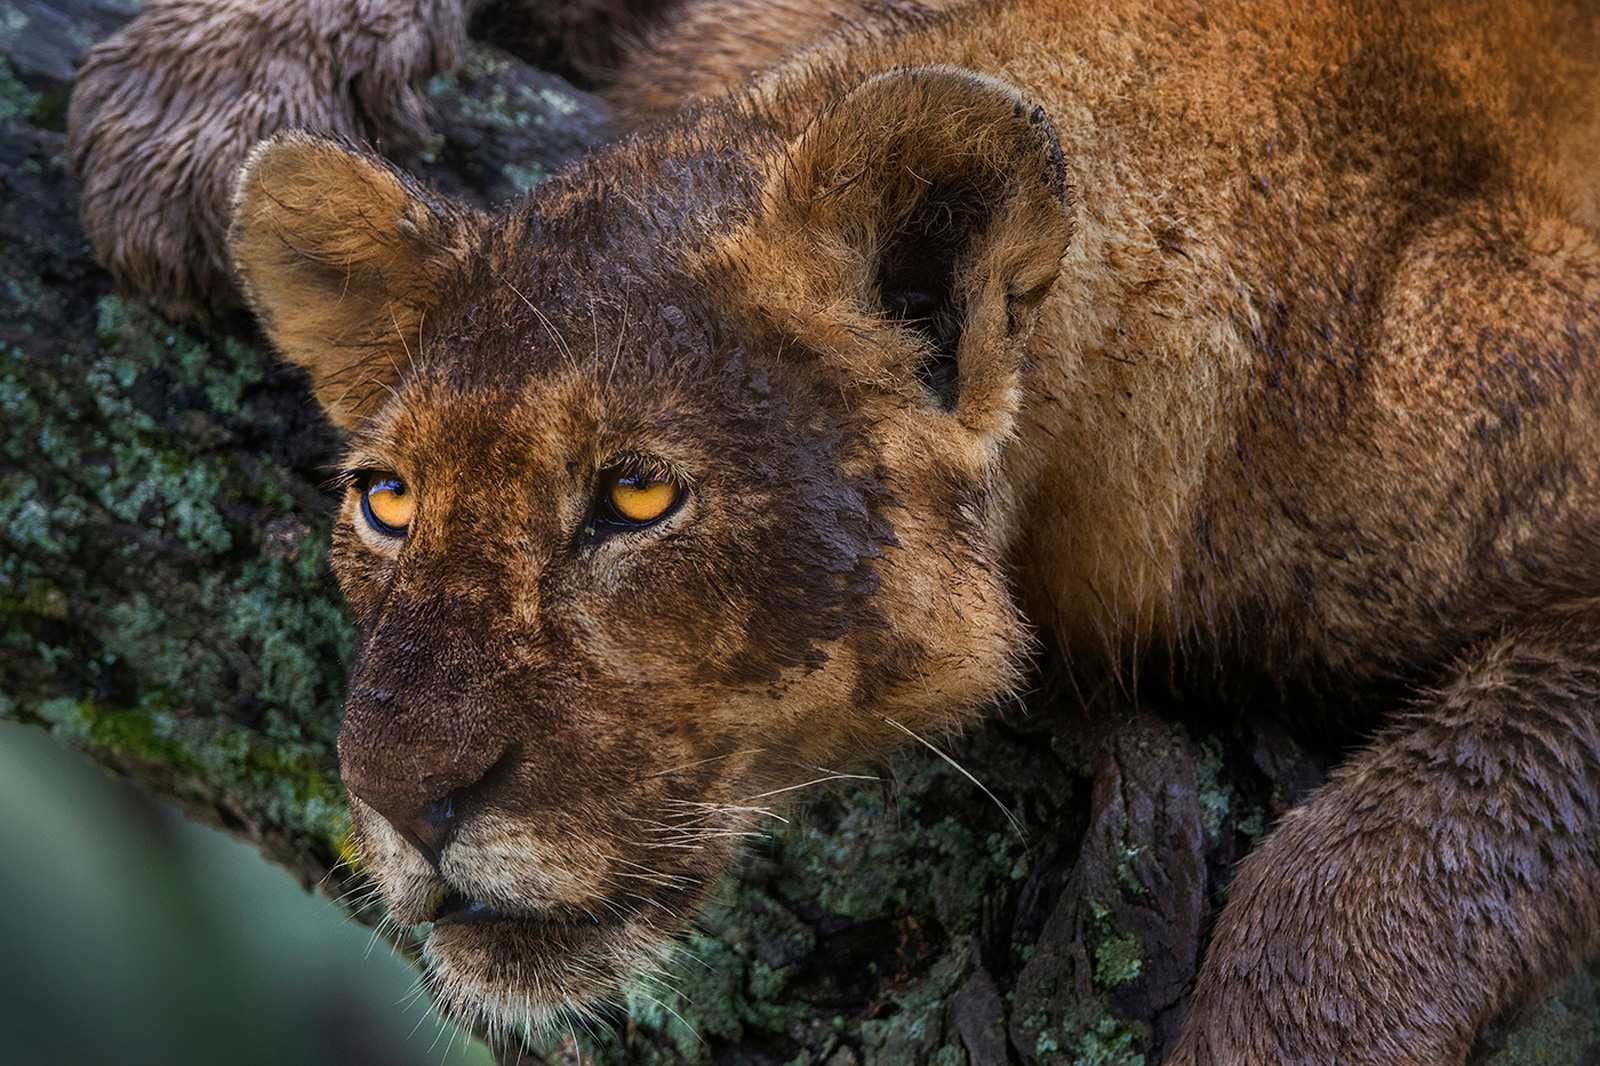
926,212
342,257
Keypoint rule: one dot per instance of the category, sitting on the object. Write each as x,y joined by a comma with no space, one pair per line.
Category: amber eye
638,499
388,503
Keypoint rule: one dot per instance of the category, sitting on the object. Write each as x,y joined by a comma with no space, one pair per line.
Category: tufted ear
931,201
342,257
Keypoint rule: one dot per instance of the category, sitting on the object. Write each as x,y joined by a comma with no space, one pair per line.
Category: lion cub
1259,333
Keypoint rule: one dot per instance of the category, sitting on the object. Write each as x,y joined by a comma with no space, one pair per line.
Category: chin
507,977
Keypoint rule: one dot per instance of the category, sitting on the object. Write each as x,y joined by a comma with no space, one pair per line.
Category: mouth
501,965
519,971
458,909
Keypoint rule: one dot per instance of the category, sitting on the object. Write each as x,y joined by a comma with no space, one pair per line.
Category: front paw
166,110
1332,950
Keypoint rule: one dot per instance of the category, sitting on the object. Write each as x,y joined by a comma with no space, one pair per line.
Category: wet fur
1276,332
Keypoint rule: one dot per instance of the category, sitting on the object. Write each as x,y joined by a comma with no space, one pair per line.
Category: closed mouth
458,909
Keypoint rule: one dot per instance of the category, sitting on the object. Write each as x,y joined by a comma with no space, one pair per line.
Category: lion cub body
1227,376
1260,337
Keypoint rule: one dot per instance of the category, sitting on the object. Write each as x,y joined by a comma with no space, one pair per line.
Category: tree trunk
1040,896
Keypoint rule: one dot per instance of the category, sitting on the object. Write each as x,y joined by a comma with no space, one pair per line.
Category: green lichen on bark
1562,1026
17,102
165,604
165,598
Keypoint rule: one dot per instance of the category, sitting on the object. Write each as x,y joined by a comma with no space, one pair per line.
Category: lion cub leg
165,110
704,47
1442,874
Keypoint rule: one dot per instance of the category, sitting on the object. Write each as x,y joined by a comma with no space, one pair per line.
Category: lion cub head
667,490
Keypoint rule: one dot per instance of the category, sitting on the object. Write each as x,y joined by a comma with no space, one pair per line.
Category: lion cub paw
166,109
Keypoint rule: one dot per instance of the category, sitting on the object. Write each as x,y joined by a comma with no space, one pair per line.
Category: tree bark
1041,896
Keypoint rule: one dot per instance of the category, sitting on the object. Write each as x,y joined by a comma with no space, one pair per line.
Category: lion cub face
667,491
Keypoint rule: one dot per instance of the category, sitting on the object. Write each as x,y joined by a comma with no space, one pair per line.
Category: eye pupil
388,504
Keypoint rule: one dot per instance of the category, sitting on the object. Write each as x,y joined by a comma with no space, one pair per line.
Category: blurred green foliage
135,937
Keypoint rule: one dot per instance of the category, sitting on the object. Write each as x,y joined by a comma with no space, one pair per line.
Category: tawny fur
165,110
1258,339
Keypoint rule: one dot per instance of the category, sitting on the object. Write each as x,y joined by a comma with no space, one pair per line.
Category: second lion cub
1259,333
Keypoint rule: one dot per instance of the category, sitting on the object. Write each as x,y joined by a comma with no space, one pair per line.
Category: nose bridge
475,546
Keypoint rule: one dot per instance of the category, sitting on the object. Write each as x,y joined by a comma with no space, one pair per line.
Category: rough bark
165,607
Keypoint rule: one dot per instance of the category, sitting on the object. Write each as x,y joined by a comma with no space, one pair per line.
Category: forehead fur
598,268
786,507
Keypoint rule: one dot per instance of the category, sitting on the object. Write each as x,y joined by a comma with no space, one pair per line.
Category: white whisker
1015,825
